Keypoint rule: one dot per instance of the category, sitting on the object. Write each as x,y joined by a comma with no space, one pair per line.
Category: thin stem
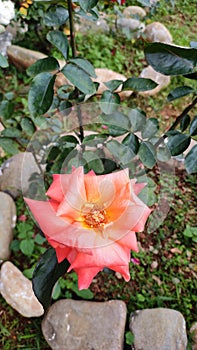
79,115
177,121
74,54
72,33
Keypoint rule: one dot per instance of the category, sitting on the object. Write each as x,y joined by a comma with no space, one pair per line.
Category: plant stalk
72,32
177,121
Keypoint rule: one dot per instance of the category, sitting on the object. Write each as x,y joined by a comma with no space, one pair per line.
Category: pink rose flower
91,221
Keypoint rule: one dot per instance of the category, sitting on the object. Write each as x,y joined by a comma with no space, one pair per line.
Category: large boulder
134,11
157,32
15,173
17,291
7,223
85,325
158,329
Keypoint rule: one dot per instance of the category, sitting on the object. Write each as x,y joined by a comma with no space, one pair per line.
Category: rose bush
91,221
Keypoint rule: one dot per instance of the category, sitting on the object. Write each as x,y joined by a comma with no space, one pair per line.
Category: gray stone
157,32
158,329
130,27
85,325
17,291
22,58
5,42
160,79
7,223
193,331
85,25
15,173
134,11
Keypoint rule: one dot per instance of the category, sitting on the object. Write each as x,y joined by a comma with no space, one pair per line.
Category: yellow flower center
94,216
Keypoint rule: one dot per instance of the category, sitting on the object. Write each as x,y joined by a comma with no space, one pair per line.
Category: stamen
95,217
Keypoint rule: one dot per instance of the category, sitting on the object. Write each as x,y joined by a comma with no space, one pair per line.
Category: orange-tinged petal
75,194
59,229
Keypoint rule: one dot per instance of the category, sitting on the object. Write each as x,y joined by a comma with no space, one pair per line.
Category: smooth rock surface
134,11
17,291
157,32
160,79
85,325
15,173
158,329
7,223
193,331
21,57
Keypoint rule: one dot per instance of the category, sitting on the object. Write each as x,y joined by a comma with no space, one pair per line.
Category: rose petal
86,275
110,255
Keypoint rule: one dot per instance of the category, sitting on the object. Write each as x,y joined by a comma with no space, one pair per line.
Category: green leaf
94,162
121,153
27,246
79,78
132,142
94,139
46,274
8,145
109,102
171,60
3,61
87,5
163,154
190,231
59,40
184,122
147,195
139,84
84,294
56,291
28,126
190,160
150,128
137,119
178,143
129,338
41,93
117,123
43,65
180,92
39,239
56,16
64,91
147,154
11,132
193,127
113,85
85,65
6,109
